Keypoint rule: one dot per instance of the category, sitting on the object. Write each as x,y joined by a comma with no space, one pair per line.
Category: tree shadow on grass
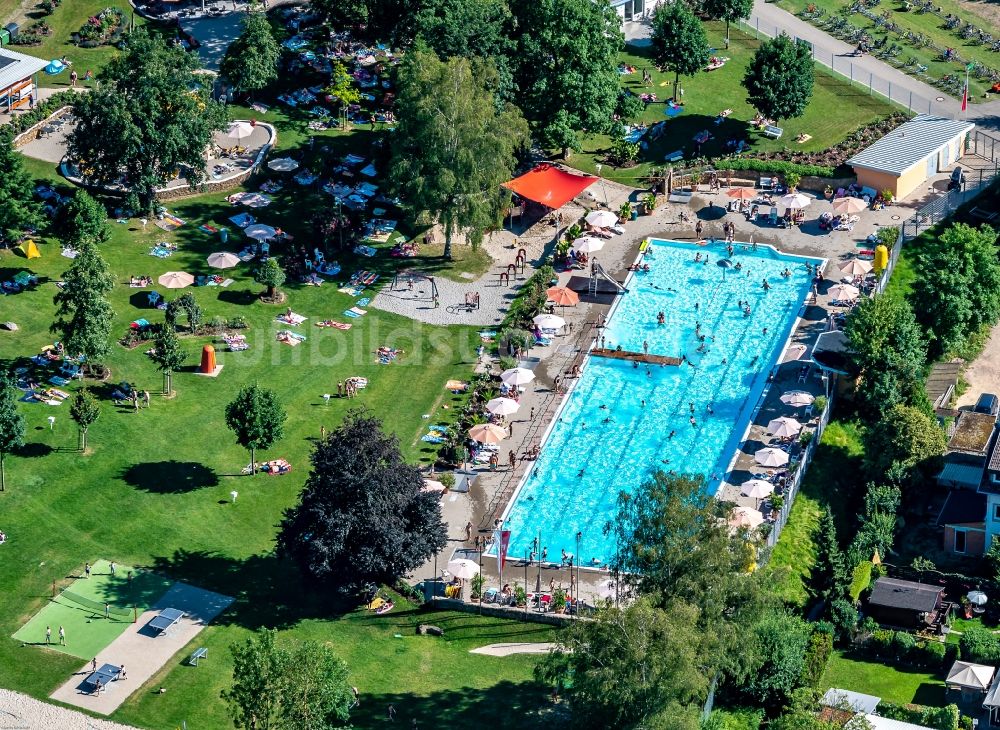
242,297
169,477
33,450
507,704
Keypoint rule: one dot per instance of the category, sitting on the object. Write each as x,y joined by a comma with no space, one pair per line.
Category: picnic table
105,674
166,620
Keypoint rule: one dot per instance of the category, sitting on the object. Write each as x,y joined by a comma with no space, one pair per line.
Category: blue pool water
607,440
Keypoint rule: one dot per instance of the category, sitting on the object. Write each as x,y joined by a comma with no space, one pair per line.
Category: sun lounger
773,132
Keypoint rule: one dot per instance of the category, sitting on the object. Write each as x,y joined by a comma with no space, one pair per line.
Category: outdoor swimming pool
622,422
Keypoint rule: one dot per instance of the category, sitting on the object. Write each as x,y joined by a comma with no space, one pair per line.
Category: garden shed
17,78
908,156
905,604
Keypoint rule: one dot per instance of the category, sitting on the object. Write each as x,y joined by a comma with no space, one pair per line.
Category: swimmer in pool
693,422
671,435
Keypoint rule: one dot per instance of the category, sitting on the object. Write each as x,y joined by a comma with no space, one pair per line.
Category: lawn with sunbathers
836,109
153,491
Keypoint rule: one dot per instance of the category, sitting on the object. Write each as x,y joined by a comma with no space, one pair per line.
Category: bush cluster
903,649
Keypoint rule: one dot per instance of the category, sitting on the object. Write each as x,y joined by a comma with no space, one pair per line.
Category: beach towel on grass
292,319
364,251
292,339
363,302
169,222
206,228
335,324
160,252
355,312
243,219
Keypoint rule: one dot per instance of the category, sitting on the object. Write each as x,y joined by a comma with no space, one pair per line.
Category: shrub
507,362
734,719
930,654
817,655
880,643
860,580
779,167
903,644
939,718
447,479
477,585
979,645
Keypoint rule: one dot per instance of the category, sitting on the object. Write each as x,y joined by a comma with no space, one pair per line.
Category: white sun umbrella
745,517
239,130
259,231
856,267
844,292
223,260
601,218
849,206
771,456
784,427
549,321
798,398
517,376
977,598
176,280
463,568
257,200
757,489
587,244
283,164
794,200
433,485
502,406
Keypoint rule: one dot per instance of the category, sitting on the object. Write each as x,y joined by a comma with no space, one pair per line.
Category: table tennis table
166,620
102,677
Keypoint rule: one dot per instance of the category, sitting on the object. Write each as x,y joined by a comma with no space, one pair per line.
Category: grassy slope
836,109
891,684
831,477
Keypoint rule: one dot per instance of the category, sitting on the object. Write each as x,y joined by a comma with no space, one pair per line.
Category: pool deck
490,491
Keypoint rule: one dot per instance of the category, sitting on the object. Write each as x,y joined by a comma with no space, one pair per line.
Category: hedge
817,655
779,167
939,718
42,109
905,650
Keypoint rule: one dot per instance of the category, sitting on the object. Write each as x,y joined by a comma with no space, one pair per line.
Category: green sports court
79,608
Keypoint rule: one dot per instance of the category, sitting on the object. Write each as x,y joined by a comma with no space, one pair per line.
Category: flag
502,538
965,97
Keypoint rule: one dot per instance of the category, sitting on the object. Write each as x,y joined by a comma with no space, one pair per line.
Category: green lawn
928,24
153,491
831,481
836,109
900,686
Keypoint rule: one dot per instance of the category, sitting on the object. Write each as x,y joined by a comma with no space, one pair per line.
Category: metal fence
844,66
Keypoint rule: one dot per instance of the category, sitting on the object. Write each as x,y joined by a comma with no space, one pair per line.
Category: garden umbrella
259,231
502,406
742,193
977,598
487,433
283,164
517,376
844,292
601,218
855,267
784,427
794,200
725,265
549,321
588,244
432,485
757,489
176,280
223,260
562,296
257,200
849,206
239,130
745,517
463,568
798,398
771,456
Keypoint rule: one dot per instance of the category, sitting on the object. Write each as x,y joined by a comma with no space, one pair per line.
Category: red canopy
549,185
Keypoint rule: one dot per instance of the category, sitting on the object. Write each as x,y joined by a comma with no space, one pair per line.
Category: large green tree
84,410
778,644
299,687
167,354
385,20
11,424
959,272
903,440
828,578
84,220
363,517
151,116
888,350
18,208
779,79
679,42
730,11
638,667
270,275
567,68
251,61
453,148
257,418
84,314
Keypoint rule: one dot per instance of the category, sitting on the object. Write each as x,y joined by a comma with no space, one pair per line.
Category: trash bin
4,37
224,234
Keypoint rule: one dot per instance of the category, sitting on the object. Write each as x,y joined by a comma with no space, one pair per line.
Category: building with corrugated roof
17,78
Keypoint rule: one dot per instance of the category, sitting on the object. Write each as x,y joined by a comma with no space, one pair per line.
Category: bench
767,183
775,132
676,156
200,653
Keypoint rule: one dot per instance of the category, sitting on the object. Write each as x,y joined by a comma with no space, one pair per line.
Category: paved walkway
141,651
509,649
26,713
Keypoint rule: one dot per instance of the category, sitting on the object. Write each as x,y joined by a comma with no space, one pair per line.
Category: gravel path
26,713
508,649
